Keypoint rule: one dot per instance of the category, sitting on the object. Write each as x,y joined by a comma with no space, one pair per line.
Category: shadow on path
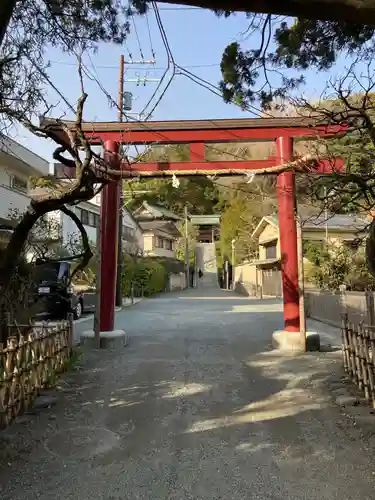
197,407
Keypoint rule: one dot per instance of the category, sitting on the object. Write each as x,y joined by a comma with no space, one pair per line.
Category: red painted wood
196,151
149,136
108,241
285,191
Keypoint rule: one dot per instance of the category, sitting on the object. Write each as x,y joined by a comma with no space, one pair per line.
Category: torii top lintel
201,131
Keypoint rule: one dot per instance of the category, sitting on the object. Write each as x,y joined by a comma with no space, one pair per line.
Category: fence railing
358,348
29,362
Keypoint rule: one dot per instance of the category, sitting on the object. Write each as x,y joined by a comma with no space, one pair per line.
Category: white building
17,165
160,232
89,214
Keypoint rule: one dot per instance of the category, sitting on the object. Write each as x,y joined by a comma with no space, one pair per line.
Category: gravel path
198,406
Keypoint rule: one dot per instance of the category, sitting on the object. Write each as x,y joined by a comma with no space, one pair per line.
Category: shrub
144,274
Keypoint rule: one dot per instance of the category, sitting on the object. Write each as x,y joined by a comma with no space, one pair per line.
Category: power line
135,67
216,90
149,35
171,63
136,34
47,78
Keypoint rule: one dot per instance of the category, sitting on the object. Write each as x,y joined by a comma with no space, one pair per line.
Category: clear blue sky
196,38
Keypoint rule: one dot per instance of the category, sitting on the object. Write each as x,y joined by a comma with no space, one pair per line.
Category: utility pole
120,102
326,213
187,253
233,263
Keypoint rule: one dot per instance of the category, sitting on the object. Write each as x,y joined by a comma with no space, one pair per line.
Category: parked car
58,295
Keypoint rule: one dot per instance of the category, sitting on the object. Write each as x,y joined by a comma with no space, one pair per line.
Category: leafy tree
297,44
341,266
242,209
180,251
29,27
301,44
199,194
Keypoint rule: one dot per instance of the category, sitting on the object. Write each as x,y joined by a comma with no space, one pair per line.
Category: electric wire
171,65
47,78
137,36
150,38
157,68
184,71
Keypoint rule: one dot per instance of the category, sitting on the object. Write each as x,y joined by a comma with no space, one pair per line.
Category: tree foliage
192,236
242,209
262,72
333,267
199,194
71,26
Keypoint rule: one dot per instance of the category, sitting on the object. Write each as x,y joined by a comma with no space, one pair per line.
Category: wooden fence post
345,342
343,298
370,313
70,326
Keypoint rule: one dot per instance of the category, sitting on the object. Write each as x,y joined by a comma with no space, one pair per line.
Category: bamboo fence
358,347
29,362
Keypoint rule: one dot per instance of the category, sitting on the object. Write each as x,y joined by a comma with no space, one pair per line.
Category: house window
128,233
353,244
168,244
92,219
271,252
18,183
158,242
97,220
84,217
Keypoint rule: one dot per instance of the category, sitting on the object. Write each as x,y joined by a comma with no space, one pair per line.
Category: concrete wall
177,282
247,279
329,307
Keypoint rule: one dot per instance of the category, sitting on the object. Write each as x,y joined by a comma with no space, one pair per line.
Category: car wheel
78,310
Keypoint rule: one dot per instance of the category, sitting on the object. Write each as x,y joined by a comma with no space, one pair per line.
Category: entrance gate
197,133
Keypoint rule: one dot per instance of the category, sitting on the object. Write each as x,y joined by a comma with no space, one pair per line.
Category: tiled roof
160,211
160,225
213,219
338,222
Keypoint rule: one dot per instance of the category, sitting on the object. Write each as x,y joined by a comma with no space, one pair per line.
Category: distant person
192,272
200,273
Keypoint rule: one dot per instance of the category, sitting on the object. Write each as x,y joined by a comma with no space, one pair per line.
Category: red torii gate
197,133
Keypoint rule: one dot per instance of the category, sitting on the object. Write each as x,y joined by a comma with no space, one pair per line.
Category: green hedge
147,276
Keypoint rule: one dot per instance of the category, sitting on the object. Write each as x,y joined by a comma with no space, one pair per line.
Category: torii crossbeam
197,133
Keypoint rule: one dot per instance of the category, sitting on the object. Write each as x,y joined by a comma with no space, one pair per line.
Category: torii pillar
108,241
291,338
109,337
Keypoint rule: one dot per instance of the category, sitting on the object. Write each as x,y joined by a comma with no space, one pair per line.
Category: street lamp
233,258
